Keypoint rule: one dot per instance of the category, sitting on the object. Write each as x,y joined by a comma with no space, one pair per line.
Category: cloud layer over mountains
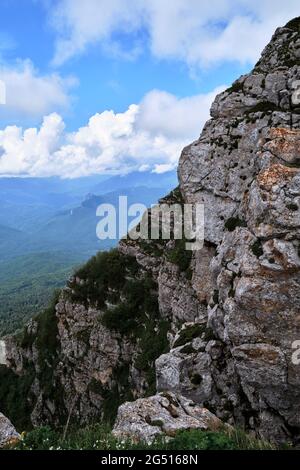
148,136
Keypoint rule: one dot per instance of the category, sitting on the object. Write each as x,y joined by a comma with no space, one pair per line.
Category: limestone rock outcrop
163,414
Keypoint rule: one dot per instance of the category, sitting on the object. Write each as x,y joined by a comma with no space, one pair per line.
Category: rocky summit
217,326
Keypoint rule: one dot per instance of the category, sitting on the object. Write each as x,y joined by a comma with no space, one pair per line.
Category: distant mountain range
51,214
48,225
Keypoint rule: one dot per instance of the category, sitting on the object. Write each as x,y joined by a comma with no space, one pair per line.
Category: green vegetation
264,107
129,301
209,334
15,397
101,278
216,297
236,87
99,437
257,248
180,256
48,347
174,197
189,333
292,206
27,284
188,349
196,379
138,317
294,164
151,248
115,396
136,301
153,342
16,401
222,440
233,222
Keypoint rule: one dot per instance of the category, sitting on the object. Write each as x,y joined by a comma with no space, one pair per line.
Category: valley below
48,229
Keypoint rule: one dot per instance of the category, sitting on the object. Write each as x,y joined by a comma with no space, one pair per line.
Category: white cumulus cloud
197,32
149,136
31,94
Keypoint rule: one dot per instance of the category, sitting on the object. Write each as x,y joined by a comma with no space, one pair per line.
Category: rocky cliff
215,325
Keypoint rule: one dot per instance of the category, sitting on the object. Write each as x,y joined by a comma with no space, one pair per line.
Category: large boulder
162,414
8,434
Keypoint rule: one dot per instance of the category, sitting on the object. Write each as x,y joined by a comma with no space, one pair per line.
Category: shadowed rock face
230,312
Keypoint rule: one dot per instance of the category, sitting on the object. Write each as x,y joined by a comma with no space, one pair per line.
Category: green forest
27,284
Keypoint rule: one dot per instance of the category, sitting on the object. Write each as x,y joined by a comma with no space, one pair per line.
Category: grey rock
163,414
8,434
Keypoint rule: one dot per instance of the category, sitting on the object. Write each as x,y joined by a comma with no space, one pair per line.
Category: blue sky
67,61
105,81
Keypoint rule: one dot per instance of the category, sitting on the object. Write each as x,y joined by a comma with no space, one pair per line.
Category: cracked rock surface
162,414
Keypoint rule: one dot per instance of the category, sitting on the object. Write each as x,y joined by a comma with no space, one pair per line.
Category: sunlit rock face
2,353
245,168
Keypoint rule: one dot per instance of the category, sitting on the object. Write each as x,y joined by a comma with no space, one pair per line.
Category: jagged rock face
245,169
219,168
220,323
163,414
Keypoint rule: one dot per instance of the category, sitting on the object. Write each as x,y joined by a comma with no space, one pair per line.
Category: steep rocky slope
216,325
